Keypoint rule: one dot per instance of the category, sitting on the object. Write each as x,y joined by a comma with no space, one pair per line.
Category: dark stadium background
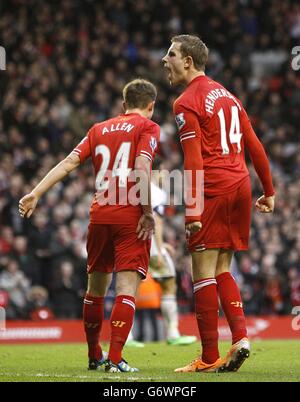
67,62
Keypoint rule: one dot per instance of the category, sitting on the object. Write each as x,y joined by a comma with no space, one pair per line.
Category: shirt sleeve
83,149
190,139
148,142
257,155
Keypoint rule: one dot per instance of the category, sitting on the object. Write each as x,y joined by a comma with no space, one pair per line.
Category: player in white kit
162,270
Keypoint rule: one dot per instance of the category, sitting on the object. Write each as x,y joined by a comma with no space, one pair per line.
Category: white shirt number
120,167
234,132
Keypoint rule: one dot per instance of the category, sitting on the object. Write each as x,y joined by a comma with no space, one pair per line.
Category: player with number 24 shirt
114,146
121,226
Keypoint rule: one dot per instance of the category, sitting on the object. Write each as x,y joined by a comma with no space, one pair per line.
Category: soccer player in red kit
119,232
214,131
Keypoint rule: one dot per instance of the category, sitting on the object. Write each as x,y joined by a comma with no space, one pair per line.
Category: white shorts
166,269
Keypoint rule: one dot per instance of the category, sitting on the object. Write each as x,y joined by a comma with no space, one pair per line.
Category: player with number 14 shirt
214,132
220,129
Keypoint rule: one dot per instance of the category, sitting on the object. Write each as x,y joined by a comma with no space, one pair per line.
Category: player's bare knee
224,261
98,283
221,270
127,283
204,264
168,286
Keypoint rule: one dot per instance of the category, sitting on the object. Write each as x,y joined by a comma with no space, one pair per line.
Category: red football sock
121,321
93,313
207,309
232,305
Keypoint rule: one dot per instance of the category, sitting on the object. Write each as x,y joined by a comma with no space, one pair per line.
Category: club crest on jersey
180,120
153,144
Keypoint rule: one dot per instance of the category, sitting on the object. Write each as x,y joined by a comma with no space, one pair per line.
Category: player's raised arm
28,203
190,139
266,202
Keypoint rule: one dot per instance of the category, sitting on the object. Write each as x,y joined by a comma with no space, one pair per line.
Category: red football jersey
214,130
113,146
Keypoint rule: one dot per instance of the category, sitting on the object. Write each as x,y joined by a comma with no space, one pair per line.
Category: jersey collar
199,78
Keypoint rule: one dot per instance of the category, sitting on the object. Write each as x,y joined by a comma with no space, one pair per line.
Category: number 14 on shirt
234,132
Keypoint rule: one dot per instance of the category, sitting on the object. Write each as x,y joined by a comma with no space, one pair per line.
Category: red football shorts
225,221
116,248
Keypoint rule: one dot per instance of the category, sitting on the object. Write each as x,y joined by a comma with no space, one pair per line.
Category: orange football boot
198,365
236,356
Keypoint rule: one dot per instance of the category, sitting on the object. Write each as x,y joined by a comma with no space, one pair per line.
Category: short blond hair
193,46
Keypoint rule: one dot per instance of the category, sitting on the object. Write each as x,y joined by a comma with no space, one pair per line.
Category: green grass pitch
269,361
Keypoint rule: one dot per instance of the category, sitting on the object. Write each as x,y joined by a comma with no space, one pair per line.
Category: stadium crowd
67,62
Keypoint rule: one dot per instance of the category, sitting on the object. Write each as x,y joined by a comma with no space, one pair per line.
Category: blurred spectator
273,292
6,240
147,307
25,259
66,292
15,283
38,307
294,283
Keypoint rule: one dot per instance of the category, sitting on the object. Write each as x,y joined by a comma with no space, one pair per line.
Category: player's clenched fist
145,228
265,204
192,228
27,205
